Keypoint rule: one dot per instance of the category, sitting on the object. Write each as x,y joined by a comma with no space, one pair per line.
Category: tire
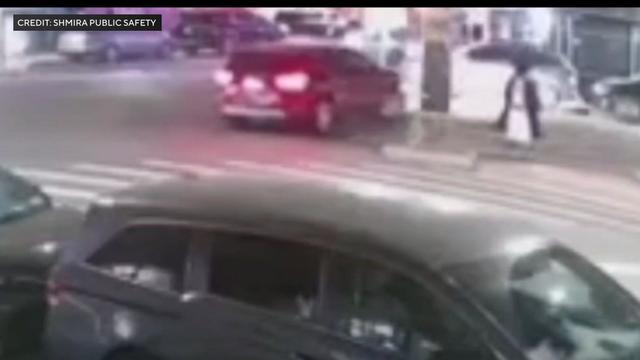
111,54
324,119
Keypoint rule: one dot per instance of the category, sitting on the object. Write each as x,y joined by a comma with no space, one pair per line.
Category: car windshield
553,302
18,198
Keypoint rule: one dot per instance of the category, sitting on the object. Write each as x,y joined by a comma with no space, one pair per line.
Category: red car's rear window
268,61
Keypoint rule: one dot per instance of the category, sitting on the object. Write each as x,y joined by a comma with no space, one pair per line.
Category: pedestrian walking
520,119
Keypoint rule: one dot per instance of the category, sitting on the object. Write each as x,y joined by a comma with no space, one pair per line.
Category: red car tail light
223,77
294,81
252,83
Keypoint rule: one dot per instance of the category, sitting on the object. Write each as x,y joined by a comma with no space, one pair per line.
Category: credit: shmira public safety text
124,23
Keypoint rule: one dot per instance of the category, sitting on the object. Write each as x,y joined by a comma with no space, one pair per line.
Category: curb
512,155
466,161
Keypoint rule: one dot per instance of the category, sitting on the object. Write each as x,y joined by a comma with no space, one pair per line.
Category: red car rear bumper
270,105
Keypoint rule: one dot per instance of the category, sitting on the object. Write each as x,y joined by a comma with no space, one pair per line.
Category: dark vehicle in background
312,23
31,236
113,46
307,83
221,29
256,267
620,96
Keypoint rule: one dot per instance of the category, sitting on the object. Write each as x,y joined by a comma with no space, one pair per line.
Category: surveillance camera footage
316,183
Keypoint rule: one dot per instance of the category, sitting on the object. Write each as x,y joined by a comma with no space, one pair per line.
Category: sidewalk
593,143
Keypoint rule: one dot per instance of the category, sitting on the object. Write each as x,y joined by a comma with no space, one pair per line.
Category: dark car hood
33,244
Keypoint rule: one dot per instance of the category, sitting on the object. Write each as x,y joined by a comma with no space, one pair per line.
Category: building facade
601,42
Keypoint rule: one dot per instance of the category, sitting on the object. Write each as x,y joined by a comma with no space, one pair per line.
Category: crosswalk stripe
525,186
38,176
182,168
553,212
277,169
541,198
67,193
506,192
577,182
123,171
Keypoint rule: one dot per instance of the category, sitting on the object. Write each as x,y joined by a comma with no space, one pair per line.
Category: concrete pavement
595,144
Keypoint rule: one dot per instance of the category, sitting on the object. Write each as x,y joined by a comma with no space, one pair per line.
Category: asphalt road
74,112
97,112
81,130
121,115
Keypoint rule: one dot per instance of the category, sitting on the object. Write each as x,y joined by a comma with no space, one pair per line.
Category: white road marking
79,184
38,176
527,187
554,213
183,168
67,193
277,169
361,176
122,171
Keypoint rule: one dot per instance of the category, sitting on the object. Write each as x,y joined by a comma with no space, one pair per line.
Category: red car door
350,83
361,86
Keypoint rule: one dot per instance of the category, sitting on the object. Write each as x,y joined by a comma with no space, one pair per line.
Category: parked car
255,267
305,83
620,96
31,236
221,29
112,46
480,74
312,23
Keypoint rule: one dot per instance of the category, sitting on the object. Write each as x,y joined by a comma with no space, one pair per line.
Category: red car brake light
252,83
223,77
293,81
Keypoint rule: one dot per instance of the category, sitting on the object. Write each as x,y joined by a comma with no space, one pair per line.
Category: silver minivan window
379,307
150,256
273,274
555,303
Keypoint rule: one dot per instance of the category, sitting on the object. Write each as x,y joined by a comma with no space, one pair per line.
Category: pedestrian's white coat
518,125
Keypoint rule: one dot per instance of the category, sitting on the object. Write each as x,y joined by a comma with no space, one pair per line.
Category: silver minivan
269,268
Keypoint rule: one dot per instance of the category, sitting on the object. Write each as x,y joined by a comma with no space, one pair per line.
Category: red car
312,84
